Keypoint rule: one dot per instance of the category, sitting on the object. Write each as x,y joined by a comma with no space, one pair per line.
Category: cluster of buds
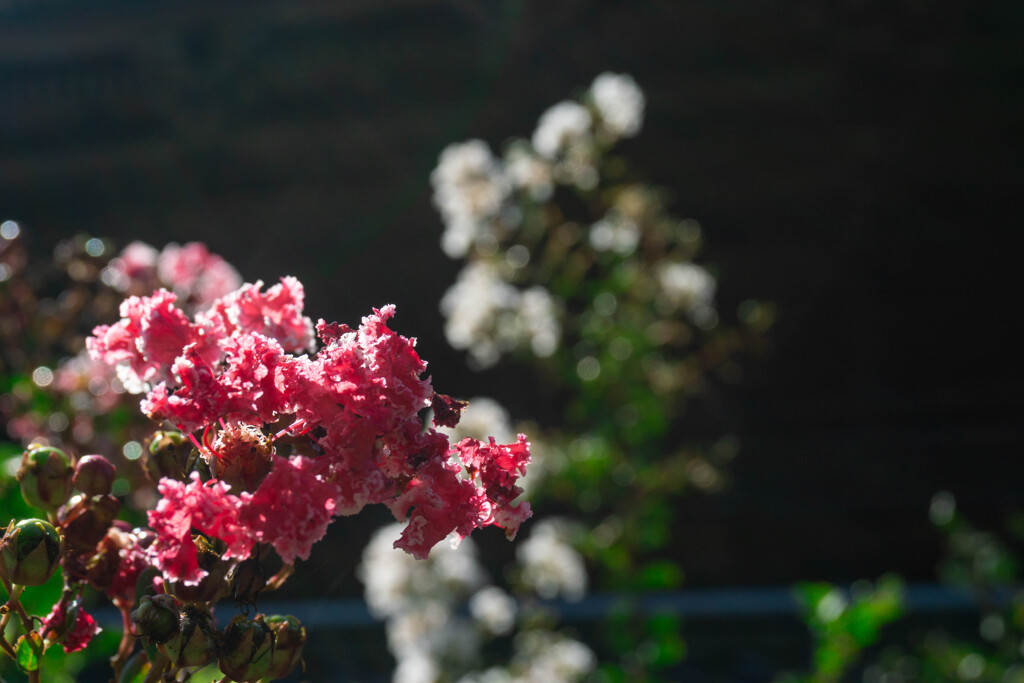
246,650
81,533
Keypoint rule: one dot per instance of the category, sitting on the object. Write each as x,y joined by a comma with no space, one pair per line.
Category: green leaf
29,650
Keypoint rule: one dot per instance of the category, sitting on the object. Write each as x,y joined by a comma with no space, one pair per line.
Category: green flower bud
289,637
45,476
30,552
247,581
168,455
94,475
194,645
85,520
247,649
156,618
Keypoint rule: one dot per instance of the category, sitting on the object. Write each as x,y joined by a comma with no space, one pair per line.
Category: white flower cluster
541,657
470,189
424,601
474,192
487,316
687,287
418,598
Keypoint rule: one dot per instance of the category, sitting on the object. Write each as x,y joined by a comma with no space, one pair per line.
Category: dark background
857,162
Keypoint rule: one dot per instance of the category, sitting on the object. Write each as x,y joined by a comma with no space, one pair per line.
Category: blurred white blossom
529,172
470,188
561,127
494,609
614,233
619,102
487,316
686,285
550,565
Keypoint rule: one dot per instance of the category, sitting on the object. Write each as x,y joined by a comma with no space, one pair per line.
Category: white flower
547,657
487,316
615,234
539,315
470,188
561,127
529,172
494,609
620,103
551,566
686,285
472,305
395,581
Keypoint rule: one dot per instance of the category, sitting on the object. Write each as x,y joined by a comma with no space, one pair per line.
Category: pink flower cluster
351,413
195,274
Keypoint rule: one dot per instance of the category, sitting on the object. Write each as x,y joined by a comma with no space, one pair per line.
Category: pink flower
208,508
75,635
150,335
498,468
196,274
134,271
291,509
357,404
276,313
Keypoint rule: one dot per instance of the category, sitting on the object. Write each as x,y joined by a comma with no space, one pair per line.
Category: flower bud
247,649
168,455
29,552
241,456
156,618
45,476
94,475
289,637
85,520
194,644
211,587
247,581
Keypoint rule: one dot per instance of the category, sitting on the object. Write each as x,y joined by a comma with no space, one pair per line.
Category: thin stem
157,669
33,676
6,647
127,643
278,579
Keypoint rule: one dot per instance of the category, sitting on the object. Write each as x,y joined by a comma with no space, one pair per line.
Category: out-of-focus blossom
487,316
530,172
614,233
193,272
619,102
545,657
470,189
494,609
551,566
561,127
686,285
471,308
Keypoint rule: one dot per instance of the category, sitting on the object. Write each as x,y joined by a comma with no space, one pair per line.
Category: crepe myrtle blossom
619,102
470,189
561,127
352,412
193,272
